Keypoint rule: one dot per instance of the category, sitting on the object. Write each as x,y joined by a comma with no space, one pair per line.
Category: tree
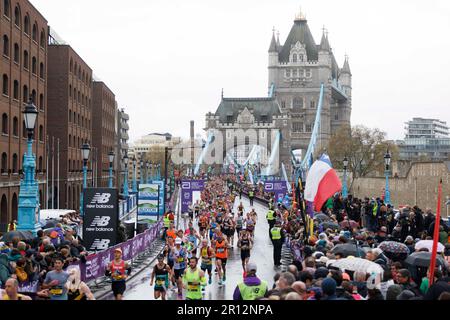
364,148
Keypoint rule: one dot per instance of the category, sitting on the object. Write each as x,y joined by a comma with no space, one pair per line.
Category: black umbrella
423,259
50,224
22,235
322,217
394,250
349,249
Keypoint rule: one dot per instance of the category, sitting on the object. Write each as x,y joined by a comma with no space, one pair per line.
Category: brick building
103,131
70,119
23,66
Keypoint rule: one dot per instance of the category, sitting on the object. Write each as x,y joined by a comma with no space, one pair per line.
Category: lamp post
111,160
344,187
85,150
141,172
28,208
125,179
147,177
387,162
134,175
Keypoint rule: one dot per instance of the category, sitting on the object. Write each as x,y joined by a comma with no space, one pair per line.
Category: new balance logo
100,244
101,198
100,221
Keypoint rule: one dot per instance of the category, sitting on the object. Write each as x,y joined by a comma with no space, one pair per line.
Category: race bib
56,291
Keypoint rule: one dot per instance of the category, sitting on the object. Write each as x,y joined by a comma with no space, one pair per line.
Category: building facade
425,139
122,138
296,71
103,132
70,120
23,68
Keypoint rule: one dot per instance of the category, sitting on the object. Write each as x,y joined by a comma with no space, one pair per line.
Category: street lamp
134,175
85,150
387,162
111,160
344,187
28,211
125,180
147,164
141,172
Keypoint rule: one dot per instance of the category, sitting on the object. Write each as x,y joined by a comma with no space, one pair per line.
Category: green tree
364,148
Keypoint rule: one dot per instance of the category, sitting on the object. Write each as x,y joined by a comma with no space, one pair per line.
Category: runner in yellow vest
193,280
252,287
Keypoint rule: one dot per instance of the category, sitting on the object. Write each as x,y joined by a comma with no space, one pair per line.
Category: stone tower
297,69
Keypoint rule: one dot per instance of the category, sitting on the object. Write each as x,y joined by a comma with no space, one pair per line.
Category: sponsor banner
100,221
278,187
126,250
161,197
93,270
188,187
28,287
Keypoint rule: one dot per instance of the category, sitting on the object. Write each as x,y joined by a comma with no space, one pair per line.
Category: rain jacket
5,271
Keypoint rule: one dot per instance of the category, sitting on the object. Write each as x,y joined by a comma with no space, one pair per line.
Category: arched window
40,164
15,163
26,60
35,31
24,130
70,90
294,57
70,115
5,45
5,86
79,97
82,99
4,163
16,90
75,69
17,17
16,53
79,72
297,103
16,127
25,94
71,65
70,140
74,94
41,102
4,210
4,123
42,42
27,25
41,71
33,96
7,8
41,133
34,65
301,57
312,104
14,207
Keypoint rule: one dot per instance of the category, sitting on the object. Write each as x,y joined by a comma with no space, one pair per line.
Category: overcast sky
167,61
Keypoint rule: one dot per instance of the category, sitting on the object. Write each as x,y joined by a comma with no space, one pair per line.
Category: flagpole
435,236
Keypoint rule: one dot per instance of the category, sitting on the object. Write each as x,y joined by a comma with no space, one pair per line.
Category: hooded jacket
250,281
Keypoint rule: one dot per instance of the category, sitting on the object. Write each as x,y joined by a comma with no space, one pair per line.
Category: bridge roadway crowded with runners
139,287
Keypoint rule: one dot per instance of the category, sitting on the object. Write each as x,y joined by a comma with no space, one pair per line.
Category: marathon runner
228,228
245,243
221,246
203,224
179,256
118,270
206,254
239,223
193,280
161,272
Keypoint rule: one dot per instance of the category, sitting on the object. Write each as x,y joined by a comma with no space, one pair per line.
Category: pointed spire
222,93
324,44
273,43
300,16
278,38
346,67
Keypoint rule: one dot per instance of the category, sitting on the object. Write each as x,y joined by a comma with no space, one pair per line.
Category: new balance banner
188,190
101,215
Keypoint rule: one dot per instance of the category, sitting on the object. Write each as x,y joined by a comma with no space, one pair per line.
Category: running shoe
220,282
224,278
210,280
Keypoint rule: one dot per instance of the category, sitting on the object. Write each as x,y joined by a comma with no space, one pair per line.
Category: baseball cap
178,241
118,250
251,267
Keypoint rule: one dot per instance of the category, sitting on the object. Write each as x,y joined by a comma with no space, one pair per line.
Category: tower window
297,103
294,57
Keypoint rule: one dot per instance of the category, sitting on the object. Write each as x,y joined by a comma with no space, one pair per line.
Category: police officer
166,221
251,196
252,287
276,236
271,218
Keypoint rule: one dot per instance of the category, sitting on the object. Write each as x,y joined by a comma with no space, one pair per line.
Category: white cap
251,267
178,241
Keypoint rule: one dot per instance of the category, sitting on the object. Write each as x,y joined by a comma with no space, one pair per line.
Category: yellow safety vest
270,215
276,233
252,292
166,222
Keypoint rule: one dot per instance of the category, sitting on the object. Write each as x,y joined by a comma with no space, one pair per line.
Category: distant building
122,137
425,139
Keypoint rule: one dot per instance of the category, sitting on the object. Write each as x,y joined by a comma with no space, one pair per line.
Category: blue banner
148,203
162,196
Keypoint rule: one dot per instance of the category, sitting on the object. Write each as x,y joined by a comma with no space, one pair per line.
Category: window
17,18
288,73
26,60
229,118
264,118
25,94
308,73
70,140
5,85
297,126
24,129
16,90
34,65
41,133
15,163
294,57
16,53
33,96
301,57
312,104
15,127
7,9
35,32
297,103
70,90
4,123
5,45
42,42
283,104
4,163
41,71
41,102
27,25
40,165
295,73
308,128
71,65
336,116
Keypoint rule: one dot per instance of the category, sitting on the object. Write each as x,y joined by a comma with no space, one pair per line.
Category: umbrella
22,235
423,259
394,250
349,249
357,264
330,224
352,224
50,224
322,217
429,245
